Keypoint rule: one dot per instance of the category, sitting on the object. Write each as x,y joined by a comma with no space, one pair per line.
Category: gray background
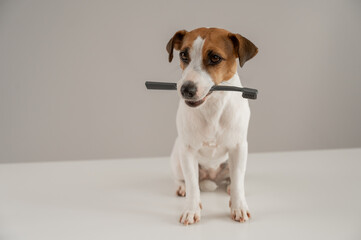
72,75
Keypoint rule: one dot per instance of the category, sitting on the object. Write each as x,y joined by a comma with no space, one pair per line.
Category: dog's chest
218,123
212,133
209,133
213,144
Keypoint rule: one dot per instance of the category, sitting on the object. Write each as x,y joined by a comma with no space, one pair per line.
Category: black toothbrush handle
161,85
248,93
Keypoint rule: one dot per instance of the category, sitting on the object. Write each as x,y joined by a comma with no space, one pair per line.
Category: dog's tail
207,185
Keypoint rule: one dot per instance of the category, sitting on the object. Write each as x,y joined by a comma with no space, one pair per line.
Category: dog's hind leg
223,177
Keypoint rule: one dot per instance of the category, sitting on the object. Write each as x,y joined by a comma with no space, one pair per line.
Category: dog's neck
214,106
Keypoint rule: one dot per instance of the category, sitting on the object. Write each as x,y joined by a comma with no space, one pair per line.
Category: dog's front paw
191,215
239,211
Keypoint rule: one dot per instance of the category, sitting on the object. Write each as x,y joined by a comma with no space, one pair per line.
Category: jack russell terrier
211,147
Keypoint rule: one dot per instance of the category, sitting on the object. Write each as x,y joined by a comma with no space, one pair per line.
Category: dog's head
207,57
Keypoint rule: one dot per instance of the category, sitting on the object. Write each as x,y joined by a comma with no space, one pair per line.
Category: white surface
295,195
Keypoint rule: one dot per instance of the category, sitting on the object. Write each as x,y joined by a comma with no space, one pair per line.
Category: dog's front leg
192,210
237,166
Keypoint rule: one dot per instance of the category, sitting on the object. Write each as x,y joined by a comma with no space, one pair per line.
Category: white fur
208,136
194,71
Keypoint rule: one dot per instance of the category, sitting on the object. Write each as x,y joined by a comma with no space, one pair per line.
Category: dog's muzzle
189,92
197,103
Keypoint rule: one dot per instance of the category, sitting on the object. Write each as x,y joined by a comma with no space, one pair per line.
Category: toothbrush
248,93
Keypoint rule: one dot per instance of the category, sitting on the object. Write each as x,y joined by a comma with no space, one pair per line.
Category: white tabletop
291,195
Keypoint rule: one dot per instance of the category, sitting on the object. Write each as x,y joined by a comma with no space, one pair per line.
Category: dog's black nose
188,89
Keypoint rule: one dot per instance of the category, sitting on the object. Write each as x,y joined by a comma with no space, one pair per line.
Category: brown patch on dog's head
175,42
244,48
219,53
217,45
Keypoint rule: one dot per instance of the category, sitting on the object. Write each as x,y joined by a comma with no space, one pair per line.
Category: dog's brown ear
243,48
175,42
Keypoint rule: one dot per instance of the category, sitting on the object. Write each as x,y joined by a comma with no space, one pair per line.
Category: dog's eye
184,57
214,59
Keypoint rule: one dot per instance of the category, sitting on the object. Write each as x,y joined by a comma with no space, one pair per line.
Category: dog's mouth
197,103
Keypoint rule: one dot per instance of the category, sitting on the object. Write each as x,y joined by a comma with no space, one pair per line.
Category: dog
211,147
